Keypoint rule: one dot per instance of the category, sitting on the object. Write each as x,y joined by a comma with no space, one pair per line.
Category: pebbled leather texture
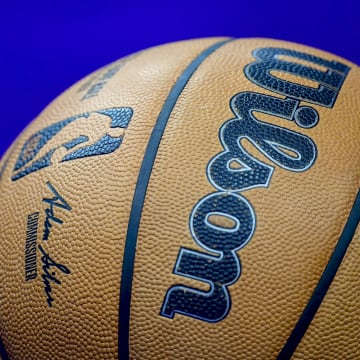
77,185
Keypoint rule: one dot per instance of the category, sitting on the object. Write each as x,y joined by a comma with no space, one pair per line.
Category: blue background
45,46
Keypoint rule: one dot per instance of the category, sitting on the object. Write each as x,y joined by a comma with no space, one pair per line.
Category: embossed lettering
269,59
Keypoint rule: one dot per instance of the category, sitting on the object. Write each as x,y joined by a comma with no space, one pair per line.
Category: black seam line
139,198
3,352
324,282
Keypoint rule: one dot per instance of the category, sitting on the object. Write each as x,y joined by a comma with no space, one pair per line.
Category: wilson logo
235,170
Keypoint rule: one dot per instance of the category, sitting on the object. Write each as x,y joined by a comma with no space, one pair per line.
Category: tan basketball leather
299,218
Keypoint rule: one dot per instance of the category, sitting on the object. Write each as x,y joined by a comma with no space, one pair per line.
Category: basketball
195,200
